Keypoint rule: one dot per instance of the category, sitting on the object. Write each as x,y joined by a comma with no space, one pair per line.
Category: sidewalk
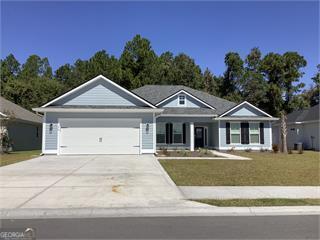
206,210
249,192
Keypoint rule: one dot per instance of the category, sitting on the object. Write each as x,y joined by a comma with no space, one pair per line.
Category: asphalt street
231,227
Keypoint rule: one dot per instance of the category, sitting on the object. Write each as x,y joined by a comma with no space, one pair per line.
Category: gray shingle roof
309,114
189,111
17,112
157,93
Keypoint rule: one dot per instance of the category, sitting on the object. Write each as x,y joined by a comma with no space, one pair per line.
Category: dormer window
182,100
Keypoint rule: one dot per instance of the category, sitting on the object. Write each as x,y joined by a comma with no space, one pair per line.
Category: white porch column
191,136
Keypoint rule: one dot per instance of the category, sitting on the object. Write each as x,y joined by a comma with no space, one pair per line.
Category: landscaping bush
275,148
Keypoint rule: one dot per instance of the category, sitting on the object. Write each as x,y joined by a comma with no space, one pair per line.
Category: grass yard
265,169
14,157
261,202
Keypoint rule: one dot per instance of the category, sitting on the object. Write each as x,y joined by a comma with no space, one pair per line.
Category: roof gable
245,109
157,93
99,91
192,100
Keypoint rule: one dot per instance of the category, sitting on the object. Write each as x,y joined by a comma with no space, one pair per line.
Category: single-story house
24,128
101,117
302,127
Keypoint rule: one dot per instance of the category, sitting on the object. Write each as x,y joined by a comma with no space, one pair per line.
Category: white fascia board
93,80
245,102
186,115
95,110
189,94
3,115
248,118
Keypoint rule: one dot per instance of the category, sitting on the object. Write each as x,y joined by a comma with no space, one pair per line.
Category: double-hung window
177,132
161,132
235,132
254,133
182,100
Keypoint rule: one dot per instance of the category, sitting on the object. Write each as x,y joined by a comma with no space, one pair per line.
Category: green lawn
260,202
266,169
14,157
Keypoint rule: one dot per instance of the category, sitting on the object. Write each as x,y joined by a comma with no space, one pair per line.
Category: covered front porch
188,133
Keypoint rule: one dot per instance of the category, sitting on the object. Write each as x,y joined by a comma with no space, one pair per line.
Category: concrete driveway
49,182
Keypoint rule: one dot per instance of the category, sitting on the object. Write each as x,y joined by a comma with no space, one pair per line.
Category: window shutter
167,133
227,132
184,133
261,133
244,133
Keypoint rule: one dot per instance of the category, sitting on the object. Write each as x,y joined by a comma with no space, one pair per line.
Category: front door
199,137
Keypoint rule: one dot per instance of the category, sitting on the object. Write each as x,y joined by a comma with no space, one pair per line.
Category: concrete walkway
218,156
249,192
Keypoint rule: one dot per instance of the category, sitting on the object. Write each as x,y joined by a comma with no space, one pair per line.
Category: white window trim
185,102
239,133
250,143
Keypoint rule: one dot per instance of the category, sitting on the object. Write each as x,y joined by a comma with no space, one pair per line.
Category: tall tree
292,64
273,68
254,86
210,83
138,61
10,67
186,72
35,67
232,80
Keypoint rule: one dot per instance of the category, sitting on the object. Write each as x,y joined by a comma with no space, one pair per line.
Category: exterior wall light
147,127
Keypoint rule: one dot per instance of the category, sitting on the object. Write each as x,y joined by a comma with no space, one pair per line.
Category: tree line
271,82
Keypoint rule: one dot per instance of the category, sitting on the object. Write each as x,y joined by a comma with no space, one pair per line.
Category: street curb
156,212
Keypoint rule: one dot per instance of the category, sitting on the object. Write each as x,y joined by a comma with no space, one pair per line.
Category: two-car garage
99,136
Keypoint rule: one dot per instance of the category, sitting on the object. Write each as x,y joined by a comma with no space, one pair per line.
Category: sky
65,31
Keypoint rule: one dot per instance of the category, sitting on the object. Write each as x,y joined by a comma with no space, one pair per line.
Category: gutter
94,110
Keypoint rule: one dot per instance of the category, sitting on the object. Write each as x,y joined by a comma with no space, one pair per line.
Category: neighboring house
303,127
24,128
101,117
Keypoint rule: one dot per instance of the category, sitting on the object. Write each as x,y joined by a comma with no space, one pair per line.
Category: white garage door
99,136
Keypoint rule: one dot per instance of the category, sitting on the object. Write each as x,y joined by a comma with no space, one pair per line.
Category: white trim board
96,79
239,105
97,110
186,93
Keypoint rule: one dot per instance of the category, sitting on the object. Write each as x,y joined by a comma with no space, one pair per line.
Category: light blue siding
190,102
267,137
100,93
52,118
245,110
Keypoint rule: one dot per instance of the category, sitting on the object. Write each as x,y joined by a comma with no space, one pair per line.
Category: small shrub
290,151
231,149
165,151
248,150
263,150
275,148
